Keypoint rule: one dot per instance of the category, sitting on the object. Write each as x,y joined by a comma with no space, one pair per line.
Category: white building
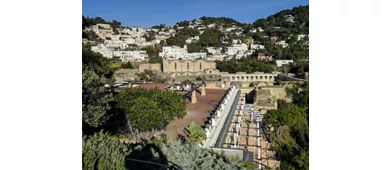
104,26
211,25
236,49
300,36
173,52
192,39
236,41
213,50
193,56
131,55
257,46
289,18
104,50
230,29
283,43
216,57
279,63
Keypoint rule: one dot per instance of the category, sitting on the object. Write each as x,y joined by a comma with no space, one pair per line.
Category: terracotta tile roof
151,86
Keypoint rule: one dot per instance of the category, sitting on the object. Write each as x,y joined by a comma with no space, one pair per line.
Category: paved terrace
245,133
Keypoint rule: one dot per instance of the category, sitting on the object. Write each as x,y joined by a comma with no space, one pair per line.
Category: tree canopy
148,109
290,140
247,65
96,72
100,151
211,38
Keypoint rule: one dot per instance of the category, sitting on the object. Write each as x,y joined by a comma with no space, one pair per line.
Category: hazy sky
146,13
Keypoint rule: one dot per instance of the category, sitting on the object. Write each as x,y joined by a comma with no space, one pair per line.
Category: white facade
216,58
257,46
173,52
104,50
289,18
301,36
235,41
283,62
283,43
236,49
192,39
211,25
230,29
196,55
131,55
213,50
104,26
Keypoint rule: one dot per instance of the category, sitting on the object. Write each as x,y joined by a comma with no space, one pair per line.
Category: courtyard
197,112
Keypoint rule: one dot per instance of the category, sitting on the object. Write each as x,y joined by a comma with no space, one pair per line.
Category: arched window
188,66
200,66
261,77
175,66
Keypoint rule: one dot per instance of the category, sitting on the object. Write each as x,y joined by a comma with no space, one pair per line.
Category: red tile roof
151,86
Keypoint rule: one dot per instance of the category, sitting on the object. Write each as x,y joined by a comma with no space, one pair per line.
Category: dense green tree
96,101
127,65
211,38
99,64
171,104
290,139
248,65
101,151
188,32
225,21
177,40
184,23
195,47
145,114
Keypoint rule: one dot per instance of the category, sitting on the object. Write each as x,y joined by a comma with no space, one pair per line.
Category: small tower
193,97
203,92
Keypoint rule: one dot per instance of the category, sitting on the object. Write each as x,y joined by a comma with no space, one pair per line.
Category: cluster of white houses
124,55
125,44
175,52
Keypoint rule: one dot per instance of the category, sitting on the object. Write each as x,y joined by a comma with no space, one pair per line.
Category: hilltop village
235,93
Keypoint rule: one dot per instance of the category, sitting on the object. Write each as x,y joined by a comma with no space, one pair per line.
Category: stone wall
148,66
255,77
170,66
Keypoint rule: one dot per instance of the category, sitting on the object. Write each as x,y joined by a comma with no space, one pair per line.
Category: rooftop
151,86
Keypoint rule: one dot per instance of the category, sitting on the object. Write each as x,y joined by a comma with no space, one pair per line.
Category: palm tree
194,133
